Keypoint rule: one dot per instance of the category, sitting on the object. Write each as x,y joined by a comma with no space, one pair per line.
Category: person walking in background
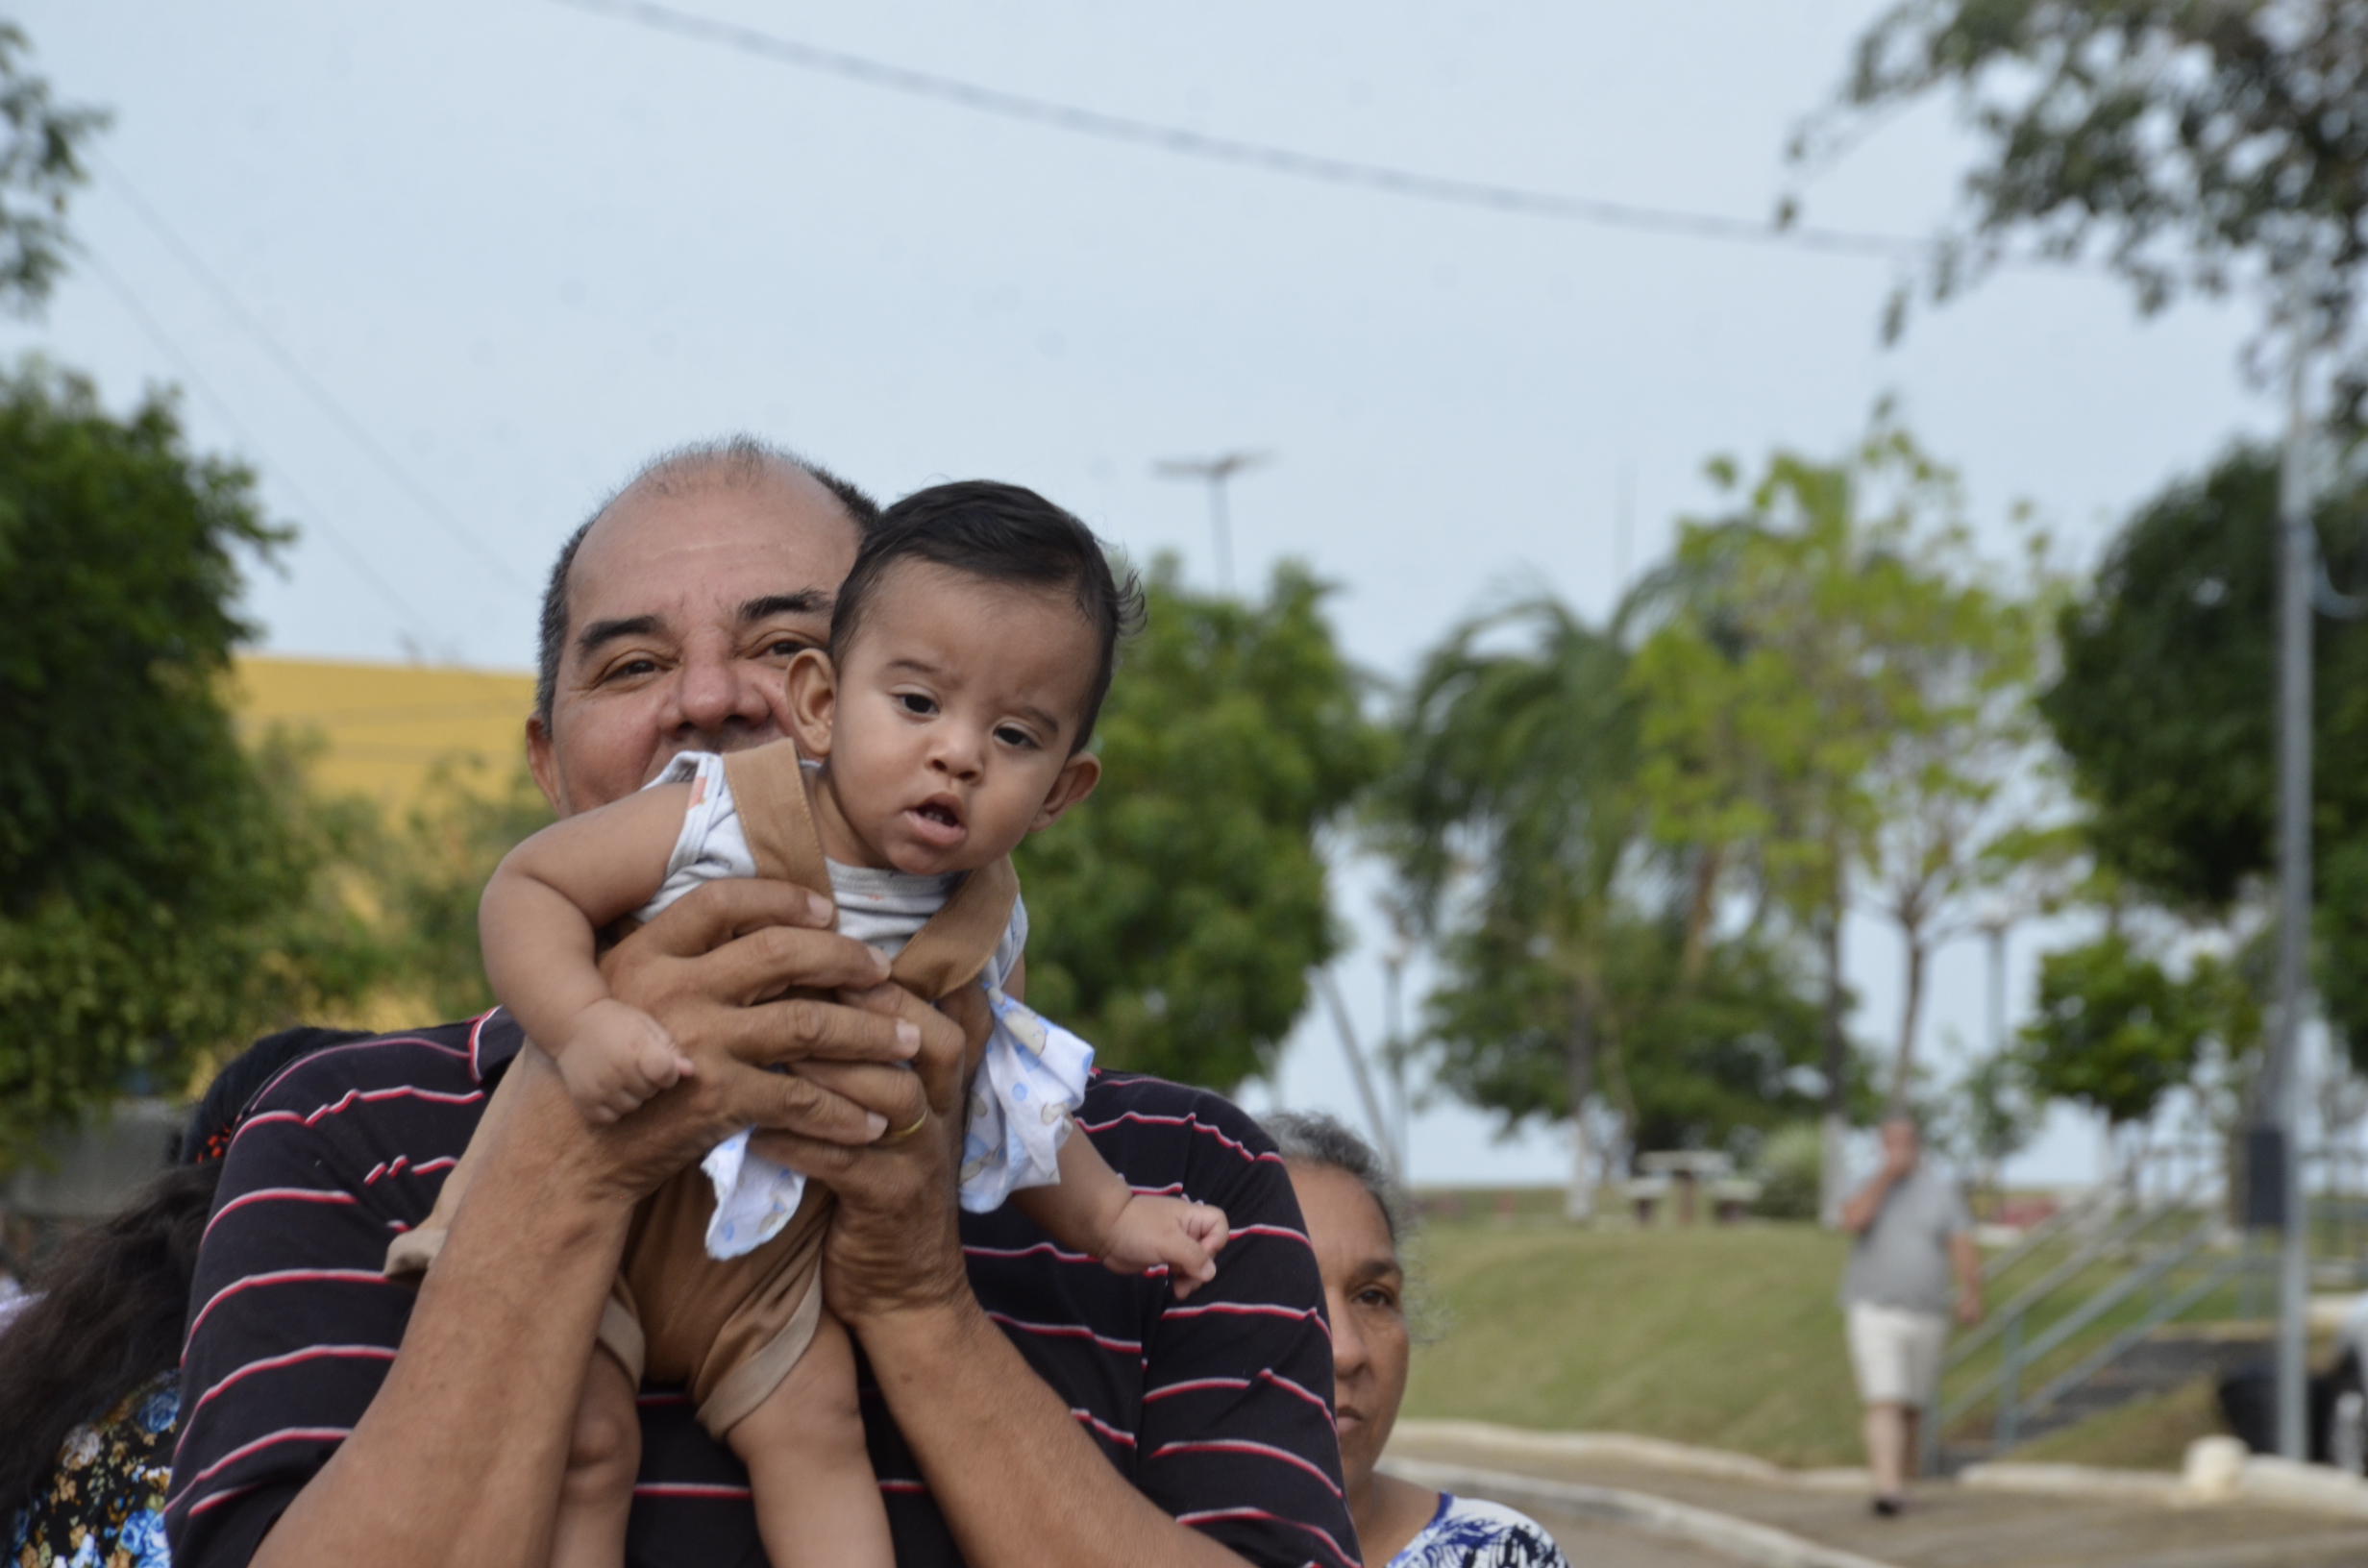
1355,1220
1913,1230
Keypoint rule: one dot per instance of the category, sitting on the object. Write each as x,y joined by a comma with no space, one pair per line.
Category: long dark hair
107,1319
108,1303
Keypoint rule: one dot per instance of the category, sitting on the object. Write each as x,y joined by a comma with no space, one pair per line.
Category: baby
971,649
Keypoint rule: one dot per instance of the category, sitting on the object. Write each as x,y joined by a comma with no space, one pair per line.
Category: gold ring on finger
902,1133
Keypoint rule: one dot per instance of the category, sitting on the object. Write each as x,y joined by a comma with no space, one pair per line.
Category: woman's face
1365,1296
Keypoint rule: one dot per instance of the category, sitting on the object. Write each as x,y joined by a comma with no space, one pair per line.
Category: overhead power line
415,623
1285,161
320,396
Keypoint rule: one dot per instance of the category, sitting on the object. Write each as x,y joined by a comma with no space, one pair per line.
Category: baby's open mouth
937,813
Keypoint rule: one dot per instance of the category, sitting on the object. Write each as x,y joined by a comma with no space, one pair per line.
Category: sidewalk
1950,1528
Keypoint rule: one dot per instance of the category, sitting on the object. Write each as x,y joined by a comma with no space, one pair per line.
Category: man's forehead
712,550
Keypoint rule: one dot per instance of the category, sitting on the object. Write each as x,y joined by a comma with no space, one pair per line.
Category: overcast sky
482,259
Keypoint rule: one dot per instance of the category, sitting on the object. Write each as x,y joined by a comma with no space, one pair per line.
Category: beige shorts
1895,1351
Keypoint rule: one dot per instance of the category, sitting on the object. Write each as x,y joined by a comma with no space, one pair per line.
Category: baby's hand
1183,1236
616,1058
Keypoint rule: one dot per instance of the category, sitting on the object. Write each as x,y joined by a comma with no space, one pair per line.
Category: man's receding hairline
777,472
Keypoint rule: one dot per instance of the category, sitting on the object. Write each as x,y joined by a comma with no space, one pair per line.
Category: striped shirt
1217,1408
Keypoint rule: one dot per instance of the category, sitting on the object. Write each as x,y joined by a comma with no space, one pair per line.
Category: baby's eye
916,703
1013,736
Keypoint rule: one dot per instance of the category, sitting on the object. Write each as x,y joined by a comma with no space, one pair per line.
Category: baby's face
949,733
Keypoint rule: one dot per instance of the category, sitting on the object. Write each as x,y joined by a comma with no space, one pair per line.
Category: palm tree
1509,822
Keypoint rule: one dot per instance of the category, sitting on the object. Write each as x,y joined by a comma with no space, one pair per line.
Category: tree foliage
1568,969
2162,706
1685,1061
2197,143
431,868
40,165
2115,1032
160,893
1175,913
1833,700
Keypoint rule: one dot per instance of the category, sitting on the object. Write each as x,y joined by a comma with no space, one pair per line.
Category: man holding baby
1022,1404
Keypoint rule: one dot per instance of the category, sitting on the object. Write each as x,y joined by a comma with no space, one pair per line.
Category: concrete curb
1762,1546
2264,1481
1626,1448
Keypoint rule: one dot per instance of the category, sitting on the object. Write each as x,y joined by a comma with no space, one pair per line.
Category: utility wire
303,379
1260,156
148,323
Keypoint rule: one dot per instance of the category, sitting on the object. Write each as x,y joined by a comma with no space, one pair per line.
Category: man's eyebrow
600,633
804,601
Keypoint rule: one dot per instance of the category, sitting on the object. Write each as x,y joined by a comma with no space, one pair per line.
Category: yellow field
385,725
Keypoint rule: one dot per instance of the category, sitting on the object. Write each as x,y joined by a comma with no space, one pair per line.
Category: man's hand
712,972
895,1242
1968,1306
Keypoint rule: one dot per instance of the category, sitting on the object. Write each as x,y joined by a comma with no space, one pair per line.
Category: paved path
1949,1528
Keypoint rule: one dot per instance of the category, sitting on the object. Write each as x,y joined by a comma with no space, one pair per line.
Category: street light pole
2297,559
1215,472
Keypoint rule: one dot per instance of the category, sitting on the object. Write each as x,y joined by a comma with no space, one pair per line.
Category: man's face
683,613
1899,1144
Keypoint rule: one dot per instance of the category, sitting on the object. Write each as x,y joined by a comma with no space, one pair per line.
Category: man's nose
715,693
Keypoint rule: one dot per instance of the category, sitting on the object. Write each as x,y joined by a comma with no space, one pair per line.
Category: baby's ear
1077,777
813,701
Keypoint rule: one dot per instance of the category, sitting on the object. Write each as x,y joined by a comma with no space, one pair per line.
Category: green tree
1513,770
2195,145
1992,1113
1177,913
1835,701
161,893
433,867
2161,707
40,165
1515,828
2115,1032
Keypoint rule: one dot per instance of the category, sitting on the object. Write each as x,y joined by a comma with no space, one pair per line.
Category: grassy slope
1725,1337
2144,1434
1729,1339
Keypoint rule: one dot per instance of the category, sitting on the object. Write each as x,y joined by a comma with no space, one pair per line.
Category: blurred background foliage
1175,915
1630,845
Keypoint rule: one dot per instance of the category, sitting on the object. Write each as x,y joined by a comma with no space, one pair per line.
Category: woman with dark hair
1355,1221
88,1364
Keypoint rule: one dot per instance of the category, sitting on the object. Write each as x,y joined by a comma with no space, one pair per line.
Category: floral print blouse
1466,1532
105,1507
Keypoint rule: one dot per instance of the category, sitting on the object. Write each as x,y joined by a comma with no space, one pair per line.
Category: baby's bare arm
550,895
1081,1210
1095,1211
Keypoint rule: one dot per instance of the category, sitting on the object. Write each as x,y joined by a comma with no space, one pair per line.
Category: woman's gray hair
1313,1138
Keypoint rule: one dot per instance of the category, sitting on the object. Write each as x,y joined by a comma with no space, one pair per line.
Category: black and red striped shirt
1216,1408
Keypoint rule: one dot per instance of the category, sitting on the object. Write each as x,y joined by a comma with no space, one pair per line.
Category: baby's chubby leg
817,1501
603,1456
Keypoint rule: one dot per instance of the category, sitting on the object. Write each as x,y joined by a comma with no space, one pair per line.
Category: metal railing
2027,1331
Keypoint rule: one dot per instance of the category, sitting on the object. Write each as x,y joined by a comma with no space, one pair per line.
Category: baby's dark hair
1003,533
